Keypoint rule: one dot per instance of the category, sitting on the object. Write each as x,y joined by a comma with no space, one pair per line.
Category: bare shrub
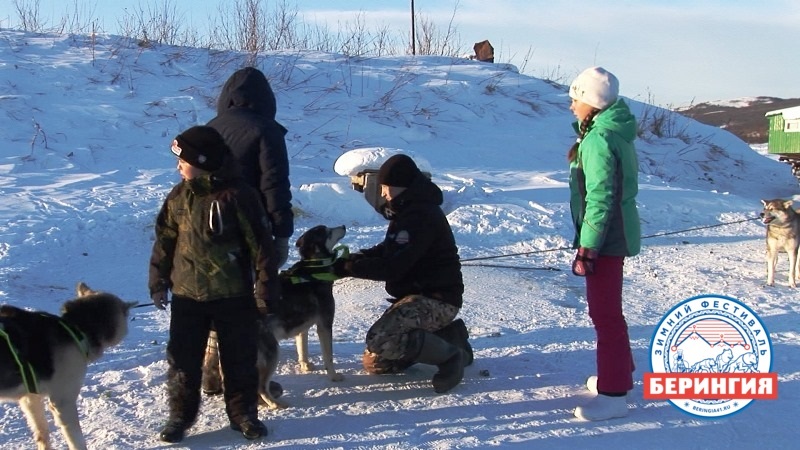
355,40
78,19
251,26
383,42
281,27
28,15
660,122
431,41
239,27
155,23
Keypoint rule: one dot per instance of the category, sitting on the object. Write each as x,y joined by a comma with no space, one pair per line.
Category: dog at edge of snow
45,355
783,236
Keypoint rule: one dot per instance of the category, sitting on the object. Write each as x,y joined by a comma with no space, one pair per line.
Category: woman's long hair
582,129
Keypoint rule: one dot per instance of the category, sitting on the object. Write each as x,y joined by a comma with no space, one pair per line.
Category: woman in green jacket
603,186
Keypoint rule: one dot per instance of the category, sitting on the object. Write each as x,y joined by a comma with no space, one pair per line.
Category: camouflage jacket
213,241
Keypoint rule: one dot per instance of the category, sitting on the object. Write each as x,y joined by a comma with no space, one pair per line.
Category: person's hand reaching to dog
342,267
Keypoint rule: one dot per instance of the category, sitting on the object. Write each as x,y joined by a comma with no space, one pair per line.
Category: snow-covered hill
85,164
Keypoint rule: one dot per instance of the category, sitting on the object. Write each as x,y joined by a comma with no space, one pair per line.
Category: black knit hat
202,147
399,171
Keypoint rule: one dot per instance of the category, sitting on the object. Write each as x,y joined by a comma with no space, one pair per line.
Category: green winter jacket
603,185
213,241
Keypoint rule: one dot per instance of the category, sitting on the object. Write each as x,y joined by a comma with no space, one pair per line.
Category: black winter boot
456,333
436,351
173,431
183,403
251,428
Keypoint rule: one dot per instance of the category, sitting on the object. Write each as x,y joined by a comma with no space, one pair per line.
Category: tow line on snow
142,305
556,269
507,255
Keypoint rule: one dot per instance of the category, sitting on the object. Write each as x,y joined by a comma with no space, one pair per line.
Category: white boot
602,407
591,385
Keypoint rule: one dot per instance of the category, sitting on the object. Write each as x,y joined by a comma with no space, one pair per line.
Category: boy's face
188,171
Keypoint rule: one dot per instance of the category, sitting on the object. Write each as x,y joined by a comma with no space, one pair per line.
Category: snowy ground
85,164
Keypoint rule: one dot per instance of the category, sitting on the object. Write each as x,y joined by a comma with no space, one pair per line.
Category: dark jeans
235,322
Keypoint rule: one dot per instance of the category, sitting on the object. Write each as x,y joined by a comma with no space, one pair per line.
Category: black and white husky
44,355
306,300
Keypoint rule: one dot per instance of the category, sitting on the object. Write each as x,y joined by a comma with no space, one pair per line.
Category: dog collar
339,252
316,269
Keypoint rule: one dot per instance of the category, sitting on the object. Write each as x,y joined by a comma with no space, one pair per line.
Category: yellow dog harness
315,269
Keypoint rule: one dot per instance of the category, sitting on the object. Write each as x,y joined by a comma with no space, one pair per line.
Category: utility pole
413,33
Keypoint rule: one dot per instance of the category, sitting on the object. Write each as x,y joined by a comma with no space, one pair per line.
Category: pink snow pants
604,296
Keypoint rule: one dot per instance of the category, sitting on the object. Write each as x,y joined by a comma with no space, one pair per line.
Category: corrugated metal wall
781,142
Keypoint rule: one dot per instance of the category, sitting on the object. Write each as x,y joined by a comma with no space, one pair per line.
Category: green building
784,136
784,131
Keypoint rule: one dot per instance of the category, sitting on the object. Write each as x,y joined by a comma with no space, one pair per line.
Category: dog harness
26,369
317,269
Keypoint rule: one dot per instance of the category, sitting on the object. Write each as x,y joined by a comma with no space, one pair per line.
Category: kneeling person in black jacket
418,260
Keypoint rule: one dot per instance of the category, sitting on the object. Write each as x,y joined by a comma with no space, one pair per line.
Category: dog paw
274,404
306,367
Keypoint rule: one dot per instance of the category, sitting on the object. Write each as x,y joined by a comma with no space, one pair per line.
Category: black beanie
202,147
398,171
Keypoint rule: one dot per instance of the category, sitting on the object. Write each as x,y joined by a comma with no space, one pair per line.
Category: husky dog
43,355
306,300
783,235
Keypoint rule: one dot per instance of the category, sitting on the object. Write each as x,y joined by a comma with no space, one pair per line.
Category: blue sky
670,52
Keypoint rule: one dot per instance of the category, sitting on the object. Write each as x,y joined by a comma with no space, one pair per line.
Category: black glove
342,268
584,262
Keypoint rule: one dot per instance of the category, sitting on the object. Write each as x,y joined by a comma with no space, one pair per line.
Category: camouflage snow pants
387,339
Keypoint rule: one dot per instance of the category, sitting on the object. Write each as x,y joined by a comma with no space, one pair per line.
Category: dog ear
83,290
788,203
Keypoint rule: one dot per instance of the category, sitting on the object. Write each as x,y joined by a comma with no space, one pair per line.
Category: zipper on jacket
215,219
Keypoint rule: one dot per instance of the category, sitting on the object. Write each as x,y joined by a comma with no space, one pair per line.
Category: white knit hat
596,87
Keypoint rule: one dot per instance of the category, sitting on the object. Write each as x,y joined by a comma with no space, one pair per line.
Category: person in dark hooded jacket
212,246
246,111
418,260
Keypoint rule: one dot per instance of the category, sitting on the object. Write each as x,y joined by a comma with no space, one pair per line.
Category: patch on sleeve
402,237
